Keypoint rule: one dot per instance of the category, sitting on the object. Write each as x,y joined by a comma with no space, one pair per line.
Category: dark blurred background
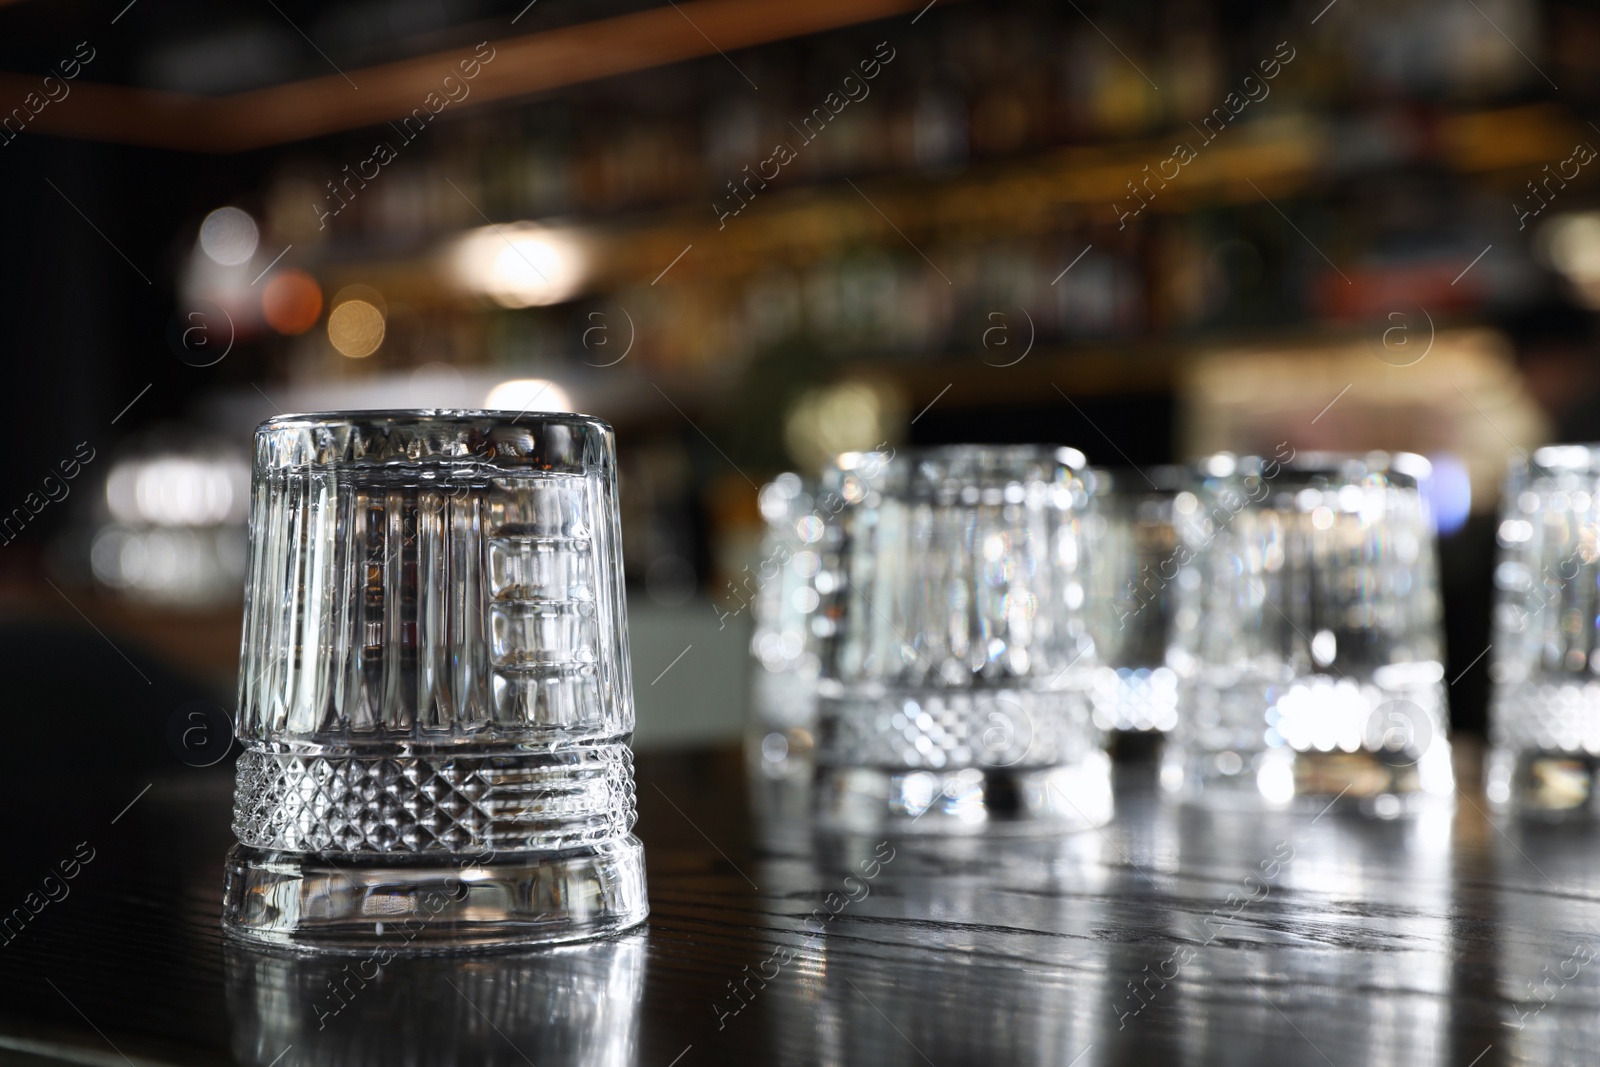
750,233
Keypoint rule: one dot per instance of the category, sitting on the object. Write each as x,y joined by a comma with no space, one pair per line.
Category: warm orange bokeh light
292,302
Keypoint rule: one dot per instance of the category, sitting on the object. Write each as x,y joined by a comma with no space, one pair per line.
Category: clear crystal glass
1306,632
434,691
1132,597
957,654
1544,712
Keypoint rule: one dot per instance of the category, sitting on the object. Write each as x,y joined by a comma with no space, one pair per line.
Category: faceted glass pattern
1544,712
1306,632
435,657
954,644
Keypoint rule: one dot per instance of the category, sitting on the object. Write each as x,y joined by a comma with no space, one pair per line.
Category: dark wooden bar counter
1173,936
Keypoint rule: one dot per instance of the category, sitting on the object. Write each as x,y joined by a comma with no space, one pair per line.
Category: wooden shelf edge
530,63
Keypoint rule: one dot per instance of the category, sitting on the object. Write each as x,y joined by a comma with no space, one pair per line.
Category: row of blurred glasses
946,637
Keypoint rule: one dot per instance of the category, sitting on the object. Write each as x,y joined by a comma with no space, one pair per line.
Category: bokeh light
845,417
520,265
177,490
229,236
1449,492
292,302
1571,244
355,327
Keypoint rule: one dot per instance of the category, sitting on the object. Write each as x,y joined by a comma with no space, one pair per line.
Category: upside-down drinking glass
434,692
1307,634
954,672
1544,712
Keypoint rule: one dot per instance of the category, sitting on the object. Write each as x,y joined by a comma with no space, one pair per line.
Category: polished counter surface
1172,936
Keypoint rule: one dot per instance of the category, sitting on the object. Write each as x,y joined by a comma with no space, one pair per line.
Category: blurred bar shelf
1032,197
533,63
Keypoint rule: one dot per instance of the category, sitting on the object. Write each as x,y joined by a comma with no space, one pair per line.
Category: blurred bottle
939,125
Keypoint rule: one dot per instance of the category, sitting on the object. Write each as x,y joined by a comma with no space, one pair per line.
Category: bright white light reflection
1434,772
1572,457
964,796
1275,780
528,394
519,265
918,790
1072,458
1323,715
178,491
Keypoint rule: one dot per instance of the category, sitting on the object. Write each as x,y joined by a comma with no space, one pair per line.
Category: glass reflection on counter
1546,940
959,951
577,1004
1358,910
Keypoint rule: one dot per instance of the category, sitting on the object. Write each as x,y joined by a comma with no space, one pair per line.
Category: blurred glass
1307,630
1545,707
1133,599
783,705
953,691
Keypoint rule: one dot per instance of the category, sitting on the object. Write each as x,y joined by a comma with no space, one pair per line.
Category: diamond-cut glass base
434,801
